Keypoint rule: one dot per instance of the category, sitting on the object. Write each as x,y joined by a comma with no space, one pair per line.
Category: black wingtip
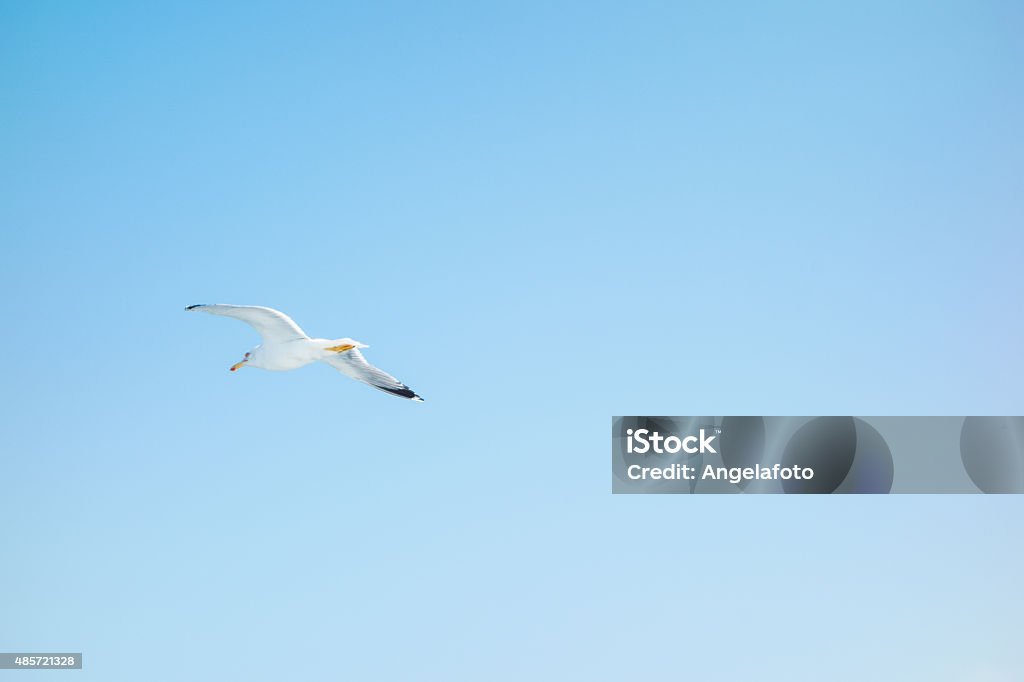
403,392
193,307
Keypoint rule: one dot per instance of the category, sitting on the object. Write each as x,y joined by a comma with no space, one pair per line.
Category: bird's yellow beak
237,365
342,348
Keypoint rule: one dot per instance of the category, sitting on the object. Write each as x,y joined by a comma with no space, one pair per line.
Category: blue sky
539,216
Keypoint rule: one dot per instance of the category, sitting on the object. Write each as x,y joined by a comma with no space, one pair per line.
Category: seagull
285,346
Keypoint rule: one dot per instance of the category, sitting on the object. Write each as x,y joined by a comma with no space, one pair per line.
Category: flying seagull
285,346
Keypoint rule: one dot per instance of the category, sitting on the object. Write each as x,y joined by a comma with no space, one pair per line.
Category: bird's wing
352,363
273,325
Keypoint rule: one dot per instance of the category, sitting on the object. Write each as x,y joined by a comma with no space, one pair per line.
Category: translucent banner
822,455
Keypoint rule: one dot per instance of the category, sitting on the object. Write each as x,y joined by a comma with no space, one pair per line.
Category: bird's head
241,362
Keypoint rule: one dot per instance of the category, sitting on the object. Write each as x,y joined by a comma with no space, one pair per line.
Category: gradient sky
538,215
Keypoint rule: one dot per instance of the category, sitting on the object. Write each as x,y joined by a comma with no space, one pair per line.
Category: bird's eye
248,354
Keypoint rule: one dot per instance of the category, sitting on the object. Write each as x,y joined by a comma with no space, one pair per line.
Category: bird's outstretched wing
273,325
352,363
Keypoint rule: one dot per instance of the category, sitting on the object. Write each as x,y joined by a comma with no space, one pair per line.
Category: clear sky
538,215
